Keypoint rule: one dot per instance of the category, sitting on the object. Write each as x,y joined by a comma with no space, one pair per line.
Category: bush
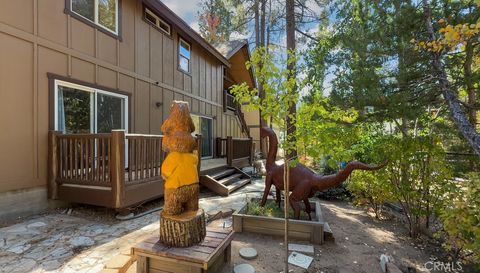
460,215
370,188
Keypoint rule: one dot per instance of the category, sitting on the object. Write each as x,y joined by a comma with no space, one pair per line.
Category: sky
186,9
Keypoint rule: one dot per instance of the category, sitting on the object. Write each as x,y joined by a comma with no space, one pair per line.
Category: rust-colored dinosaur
303,181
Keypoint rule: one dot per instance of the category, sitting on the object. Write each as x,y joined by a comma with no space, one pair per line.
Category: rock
392,268
300,260
19,249
81,241
301,248
24,265
243,268
36,225
17,229
248,253
51,265
384,259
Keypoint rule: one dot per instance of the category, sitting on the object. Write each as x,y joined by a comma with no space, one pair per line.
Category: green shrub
372,188
460,215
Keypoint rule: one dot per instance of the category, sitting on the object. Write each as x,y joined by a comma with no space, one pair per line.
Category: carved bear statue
179,169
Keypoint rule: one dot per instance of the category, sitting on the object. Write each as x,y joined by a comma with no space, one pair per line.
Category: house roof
172,18
228,49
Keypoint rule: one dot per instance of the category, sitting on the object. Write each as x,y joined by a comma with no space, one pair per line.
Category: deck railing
239,152
113,169
220,147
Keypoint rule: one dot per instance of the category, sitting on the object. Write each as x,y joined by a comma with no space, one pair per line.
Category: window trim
93,103
52,107
117,35
148,10
180,40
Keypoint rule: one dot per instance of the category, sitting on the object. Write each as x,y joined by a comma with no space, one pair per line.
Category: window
81,109
157,21
103,13
184,55
204,126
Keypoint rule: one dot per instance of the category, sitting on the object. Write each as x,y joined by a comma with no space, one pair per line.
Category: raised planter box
312,231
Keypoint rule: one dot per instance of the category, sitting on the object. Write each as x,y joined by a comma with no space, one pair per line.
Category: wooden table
210,256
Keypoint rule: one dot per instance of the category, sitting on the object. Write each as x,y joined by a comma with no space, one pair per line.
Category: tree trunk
450,95
467,69
290,18
184,230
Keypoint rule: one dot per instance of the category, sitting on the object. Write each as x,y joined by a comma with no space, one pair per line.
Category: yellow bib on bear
180,169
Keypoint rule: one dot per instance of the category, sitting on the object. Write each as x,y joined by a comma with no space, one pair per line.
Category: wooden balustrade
113,169
220,147
239,152
84,159
144,157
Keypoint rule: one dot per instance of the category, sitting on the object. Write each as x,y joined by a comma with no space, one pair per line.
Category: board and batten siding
37,37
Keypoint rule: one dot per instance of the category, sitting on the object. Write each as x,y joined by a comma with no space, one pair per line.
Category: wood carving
303,181
182,223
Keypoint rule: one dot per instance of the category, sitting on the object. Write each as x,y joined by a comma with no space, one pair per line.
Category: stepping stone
301,248
243,268
300,260
248,253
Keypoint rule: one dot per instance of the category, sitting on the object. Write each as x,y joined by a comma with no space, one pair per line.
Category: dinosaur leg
295,206
268,186
308,208
278,196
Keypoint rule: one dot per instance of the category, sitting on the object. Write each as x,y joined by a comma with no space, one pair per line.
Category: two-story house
71,72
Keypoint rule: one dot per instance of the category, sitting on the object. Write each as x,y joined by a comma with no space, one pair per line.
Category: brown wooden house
84,88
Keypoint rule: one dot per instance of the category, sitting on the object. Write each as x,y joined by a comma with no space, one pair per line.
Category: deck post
52,164
252,151
229,150
117,167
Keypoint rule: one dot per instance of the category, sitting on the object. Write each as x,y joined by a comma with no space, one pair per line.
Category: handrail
229,103
112,161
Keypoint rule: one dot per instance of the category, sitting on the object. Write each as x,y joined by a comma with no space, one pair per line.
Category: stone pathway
63,243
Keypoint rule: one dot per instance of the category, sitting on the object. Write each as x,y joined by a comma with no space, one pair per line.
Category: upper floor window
103,13
154,19
184,51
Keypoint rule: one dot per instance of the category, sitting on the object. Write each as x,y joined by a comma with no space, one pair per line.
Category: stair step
238,184
230,178
222,174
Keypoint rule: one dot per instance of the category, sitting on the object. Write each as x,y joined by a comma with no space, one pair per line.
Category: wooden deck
213,163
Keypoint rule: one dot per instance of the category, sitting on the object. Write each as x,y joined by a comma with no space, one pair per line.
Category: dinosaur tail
272,145
333,180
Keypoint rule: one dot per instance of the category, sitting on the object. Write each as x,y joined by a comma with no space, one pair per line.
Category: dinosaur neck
272,146
330,181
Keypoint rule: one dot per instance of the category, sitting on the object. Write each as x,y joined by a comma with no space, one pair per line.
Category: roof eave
168,15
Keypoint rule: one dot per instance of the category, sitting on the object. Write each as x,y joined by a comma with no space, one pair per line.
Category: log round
183,230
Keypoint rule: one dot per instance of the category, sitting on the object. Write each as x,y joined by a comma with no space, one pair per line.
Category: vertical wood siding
37,37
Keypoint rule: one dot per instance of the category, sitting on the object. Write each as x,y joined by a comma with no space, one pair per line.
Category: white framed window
154,19
103,13
184,50
204,127
82,109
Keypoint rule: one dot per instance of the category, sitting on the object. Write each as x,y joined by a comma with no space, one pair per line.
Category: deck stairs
224,180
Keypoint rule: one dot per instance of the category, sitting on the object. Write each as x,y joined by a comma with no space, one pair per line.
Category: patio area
60,242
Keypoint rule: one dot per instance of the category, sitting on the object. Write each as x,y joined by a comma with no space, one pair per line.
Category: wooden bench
210,256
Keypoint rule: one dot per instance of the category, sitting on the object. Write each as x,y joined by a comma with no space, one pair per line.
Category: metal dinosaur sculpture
303,181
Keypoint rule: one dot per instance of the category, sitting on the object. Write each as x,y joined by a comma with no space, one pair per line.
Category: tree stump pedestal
183,230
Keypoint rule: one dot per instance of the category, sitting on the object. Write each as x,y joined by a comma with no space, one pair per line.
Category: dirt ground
359,241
